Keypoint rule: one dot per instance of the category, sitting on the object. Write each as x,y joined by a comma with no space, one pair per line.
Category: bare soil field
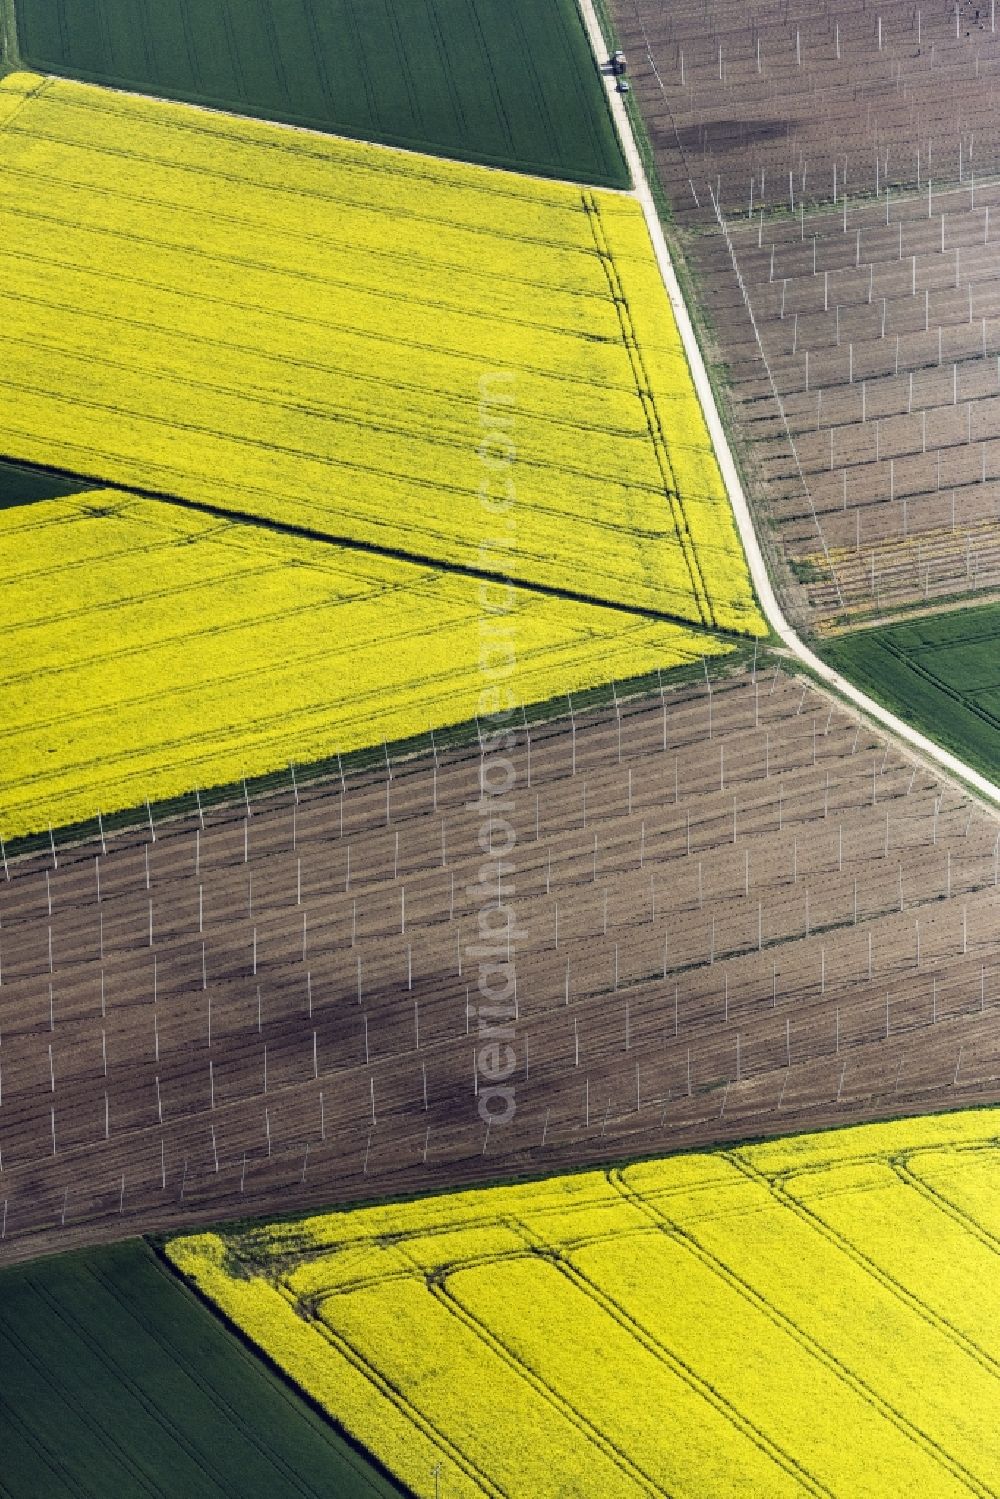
775,104
736,913
840,217
867,384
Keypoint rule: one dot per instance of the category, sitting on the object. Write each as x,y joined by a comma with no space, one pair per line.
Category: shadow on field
726,133
24,485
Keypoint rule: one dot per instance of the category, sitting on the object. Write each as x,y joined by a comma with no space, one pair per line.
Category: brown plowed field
868,386
771,104
740,915
863,362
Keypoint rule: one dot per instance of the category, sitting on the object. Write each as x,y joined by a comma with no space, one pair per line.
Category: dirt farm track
738,913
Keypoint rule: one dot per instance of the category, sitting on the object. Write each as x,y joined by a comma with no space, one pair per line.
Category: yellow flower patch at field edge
757,1322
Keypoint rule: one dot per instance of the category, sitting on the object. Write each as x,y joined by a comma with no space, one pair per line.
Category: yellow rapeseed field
815,1315
359,341
147,650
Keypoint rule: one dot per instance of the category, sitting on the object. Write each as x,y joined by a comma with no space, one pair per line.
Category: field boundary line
211,1393
644,391
391,1392
401,554
217,112
366,767
942,758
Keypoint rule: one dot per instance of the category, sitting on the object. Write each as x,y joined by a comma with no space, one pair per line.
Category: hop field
148,649
522,1336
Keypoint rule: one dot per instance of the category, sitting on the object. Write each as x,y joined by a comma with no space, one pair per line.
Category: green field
941,674
507,83
115,1381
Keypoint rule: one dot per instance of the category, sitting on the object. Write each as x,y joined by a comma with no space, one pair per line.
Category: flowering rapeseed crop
357,343
298,328
657,1329
148,649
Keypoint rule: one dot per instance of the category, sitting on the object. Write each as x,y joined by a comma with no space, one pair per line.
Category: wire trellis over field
738,911
777,398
